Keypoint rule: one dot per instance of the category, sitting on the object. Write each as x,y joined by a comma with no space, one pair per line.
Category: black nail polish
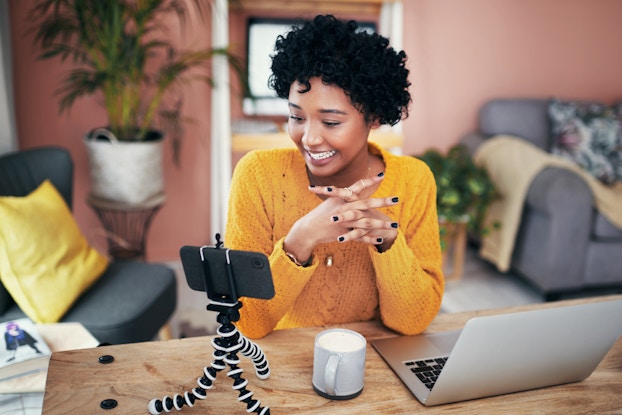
311,186
329,189
341,239
379,240
381,174
335,218
395,199
394,225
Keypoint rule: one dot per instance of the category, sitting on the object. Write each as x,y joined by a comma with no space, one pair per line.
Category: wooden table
77,383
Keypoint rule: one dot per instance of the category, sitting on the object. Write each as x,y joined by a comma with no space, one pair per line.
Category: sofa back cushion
5,299
522,117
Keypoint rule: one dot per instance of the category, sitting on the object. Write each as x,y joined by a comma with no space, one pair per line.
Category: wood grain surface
77,382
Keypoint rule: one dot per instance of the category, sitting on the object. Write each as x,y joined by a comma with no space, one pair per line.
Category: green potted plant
464,193
121,50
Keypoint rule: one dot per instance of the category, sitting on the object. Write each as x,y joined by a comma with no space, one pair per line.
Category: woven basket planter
125,172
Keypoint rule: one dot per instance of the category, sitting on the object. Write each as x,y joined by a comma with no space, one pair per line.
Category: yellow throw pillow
45,261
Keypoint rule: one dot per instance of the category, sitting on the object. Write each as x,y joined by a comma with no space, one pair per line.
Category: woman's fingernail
341,239
379,240
381,174
395,199
311,186
394,225
335,218
329,189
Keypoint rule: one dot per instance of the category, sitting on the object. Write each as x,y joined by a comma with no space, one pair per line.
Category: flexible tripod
226,348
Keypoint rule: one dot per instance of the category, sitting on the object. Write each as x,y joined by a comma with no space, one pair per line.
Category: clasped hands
347,214
356,217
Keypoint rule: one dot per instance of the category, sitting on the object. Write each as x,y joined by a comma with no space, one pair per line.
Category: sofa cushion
129,303
604,230
588,134
521,117
45,261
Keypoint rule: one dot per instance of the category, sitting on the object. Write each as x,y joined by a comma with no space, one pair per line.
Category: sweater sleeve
260,317
250,227
409,275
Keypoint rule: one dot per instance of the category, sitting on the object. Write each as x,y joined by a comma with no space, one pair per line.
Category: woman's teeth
322,156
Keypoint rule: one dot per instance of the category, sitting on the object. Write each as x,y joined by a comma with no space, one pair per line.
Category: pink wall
184,218
461,53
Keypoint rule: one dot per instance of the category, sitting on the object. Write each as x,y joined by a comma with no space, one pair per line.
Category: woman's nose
311,136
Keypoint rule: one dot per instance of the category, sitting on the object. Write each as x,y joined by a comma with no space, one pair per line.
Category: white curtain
8,136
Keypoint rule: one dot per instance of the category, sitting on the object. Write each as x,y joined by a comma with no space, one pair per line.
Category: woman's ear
375,124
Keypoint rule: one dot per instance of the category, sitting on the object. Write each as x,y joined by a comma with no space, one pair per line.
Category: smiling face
330,133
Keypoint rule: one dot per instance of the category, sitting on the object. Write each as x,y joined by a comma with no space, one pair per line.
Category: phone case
250,272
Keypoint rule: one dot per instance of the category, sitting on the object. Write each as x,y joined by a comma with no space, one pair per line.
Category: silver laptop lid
519,351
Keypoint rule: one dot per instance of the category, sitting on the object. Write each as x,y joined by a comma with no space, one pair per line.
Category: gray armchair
131,301
563,244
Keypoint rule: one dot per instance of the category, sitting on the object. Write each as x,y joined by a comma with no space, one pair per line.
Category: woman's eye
331,123
295,118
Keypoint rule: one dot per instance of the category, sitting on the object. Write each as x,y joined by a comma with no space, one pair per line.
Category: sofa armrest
555,230
557,189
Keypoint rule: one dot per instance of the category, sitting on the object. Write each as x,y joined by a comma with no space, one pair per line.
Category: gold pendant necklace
329,261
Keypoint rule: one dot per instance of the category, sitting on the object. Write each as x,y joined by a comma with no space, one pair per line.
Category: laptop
505,353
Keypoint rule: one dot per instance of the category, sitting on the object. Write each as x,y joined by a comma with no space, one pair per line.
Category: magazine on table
23,351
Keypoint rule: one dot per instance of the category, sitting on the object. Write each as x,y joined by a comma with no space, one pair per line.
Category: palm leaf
121,49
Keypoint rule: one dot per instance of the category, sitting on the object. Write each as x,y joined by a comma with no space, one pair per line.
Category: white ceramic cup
339,364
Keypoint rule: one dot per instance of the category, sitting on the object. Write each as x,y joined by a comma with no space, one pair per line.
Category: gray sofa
563,244
131,300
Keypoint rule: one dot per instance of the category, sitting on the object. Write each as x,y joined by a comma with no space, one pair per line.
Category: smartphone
227,274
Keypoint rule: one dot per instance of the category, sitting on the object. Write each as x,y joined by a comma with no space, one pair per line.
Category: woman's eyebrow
322,111
333,111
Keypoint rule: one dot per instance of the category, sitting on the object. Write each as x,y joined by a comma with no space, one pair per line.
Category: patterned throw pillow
590,135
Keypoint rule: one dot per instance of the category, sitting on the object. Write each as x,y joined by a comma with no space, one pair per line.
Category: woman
15,337
351,230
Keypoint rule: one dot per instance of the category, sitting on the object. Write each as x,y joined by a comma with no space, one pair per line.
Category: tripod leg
254,352
205,382
231,337
225,352
239,385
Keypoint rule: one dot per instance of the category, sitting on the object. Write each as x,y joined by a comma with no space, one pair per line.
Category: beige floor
483,287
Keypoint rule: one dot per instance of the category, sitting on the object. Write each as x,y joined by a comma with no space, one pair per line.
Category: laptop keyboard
427,370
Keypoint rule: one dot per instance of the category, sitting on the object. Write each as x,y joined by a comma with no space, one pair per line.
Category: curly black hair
363,64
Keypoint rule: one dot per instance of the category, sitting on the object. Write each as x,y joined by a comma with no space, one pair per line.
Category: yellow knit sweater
402,286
